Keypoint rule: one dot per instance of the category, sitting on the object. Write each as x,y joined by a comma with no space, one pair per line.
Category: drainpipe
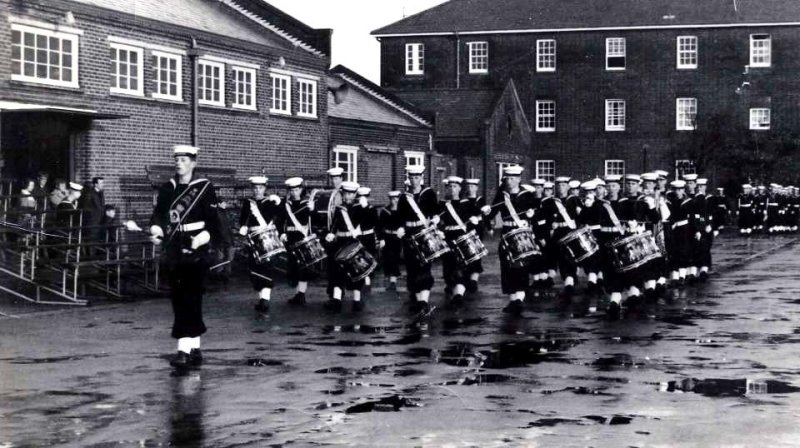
458,61
193,54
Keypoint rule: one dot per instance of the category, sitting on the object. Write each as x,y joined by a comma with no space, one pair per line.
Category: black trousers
294,272
186,277
392,253
419,277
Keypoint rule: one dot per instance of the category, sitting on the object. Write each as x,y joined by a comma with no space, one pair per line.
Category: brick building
607,86
105,87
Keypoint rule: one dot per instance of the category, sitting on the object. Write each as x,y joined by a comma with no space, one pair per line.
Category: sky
352,21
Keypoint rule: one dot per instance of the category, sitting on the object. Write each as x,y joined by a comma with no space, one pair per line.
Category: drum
308,251
428,245
519,246
579,244
468,248
355,261
265,244
325,201
633,251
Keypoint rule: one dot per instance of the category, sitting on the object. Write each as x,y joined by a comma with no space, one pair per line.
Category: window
167,80
687,51
415,59
546,169
414,158
281,94
126,69
244,88
760,50
615,53
546,55
684,166
686,114
759,119
211,83
545,116
308,98
346,158
44,56
615,115
615,167
478,57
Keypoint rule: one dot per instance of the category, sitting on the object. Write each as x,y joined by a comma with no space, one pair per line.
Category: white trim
757,125
178,76
470,61
545,129
416,69
149,46
231,62
201,77
44,25
600,28
624,53
288,80
351,151
253,90
539,174
314,98
616,127
678,64
606,166
691,126
418,155
139,70
555,56
769,55
292,73
385,100
62,36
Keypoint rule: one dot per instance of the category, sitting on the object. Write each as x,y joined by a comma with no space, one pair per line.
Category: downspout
458,61
194,53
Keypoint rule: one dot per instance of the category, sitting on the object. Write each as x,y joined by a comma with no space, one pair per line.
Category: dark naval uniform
513,277
344,236
452,272
419,275
746,209
271,213
558,223
389,222
299,209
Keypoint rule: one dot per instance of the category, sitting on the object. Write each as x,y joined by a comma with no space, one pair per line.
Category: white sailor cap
528,187
562,179
348,186
613,178
75,186
184,150
747,186
633,177
720,189
597,181
512,170
454,180
662,174
473,181
293,182
702,181
258,180
415,169
336,171
774,185
548,185
538,182
678,184
761,187
650,177
394,194
690,177
363,191
574,183
589,185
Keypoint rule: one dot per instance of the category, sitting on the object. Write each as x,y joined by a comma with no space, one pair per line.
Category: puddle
260,362
388,404
718,387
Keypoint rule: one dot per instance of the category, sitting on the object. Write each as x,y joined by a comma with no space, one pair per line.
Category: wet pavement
711,365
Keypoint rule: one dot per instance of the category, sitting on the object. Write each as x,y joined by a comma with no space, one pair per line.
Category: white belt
510,224
295,229
744,205
558,225
595,227
192,226
610,230
368,232
542,222
453,228
680,223
392,232
343,234
414,223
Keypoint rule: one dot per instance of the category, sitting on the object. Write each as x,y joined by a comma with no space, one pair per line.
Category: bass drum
325,201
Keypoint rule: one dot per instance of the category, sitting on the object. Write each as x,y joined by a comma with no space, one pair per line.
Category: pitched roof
367,101
532,15
459,112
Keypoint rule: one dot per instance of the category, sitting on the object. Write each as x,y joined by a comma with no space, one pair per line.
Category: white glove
435,220
311,205
200,239
543,242
401,232
274,198
697,236
588,202
529,213
330,237
156,234
716,233
632,224
524,224
381,243
243,230
708,228
284,237
362,201
486,209
440,233
474,220
651,203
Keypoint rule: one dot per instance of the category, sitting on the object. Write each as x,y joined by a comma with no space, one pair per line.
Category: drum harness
257,214
459,223
417,210
564,215
351,230
613,215
301,228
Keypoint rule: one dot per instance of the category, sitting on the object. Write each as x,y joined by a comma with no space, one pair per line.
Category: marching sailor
369,222
345,229
454,214
389,225
745,209
296,221
473,203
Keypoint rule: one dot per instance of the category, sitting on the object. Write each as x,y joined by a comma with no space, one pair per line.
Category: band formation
632,237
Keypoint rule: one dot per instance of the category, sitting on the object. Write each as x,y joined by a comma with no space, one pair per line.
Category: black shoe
181,360
549,283
661,289
447,291
299,299
514,307
195,357
392,286
591,289
457,301
650,294
691,279
632,300
262,306
568,292
333,305
613,311
358,306
703,277
472,286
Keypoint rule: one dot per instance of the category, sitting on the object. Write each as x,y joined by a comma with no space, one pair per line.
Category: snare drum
355,261
428,245
633,251
468,248
308,251
519,246
579,244
265,244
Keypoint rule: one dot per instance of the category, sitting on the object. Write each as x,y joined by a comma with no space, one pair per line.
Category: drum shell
579,244
308,251
468,248
428,245
633,251
355,261
520,246
265,244
324,203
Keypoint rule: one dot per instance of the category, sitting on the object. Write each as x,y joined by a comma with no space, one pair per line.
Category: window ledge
168,99
545,131
72,88
240,108
127,94
212,105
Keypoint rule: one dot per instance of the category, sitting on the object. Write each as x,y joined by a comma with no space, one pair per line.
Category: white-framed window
546,55
281,94
127,69
545,116
760,50
244,88
307,90
615,115
684,166
759,118
346,158
615,53
167,76
686,114
415,158
615,167
686,52
44,56
546,169
415,59
211,83
478,57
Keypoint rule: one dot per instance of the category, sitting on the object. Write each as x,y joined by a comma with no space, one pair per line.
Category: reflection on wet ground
711,365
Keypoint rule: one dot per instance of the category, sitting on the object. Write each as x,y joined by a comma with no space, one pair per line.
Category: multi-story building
106,87
608,86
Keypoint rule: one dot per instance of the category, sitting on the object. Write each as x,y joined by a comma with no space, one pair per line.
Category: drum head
348,251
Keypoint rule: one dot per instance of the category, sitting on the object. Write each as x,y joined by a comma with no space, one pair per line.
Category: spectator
93,204
59,193
40,189
110,222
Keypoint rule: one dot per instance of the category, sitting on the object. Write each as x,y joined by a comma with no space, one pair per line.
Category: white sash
257,213
511,210
347,222
303,229
564,215
613,215
456,218
415,207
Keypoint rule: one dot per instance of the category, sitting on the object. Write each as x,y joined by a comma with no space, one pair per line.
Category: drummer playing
474,203
258,214
454,214
369,221
344,230
389,223
296,227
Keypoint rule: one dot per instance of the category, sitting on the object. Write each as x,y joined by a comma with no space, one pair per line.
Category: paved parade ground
710,365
